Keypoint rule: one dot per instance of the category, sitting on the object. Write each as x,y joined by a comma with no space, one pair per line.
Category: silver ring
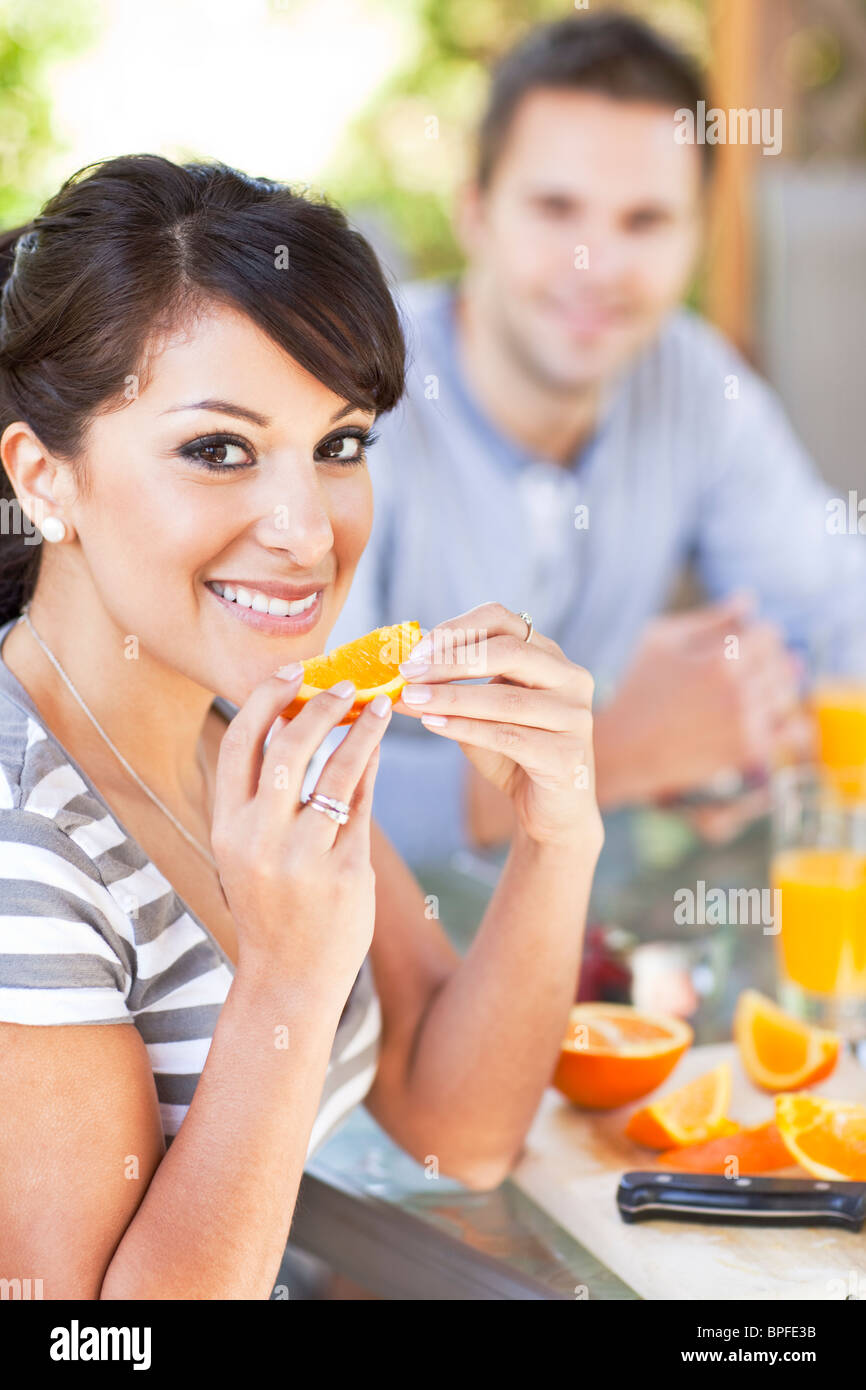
329,806
341,806
526,618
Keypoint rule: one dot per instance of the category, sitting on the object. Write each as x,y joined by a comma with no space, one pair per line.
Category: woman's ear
41,484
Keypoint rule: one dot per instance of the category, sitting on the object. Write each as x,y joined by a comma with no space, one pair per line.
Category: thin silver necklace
25,617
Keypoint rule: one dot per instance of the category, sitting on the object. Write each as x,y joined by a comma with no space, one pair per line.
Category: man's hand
707,691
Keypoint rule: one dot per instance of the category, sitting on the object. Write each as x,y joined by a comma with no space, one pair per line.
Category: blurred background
374,102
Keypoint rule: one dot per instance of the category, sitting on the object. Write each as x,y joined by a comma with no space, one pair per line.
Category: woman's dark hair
130,248
613,54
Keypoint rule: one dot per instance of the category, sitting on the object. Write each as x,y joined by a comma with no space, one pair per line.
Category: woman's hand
528,730
299,885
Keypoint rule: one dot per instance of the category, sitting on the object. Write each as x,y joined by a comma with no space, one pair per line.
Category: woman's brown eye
346,448
220,453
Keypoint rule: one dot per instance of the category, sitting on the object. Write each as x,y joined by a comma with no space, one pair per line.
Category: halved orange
693,1113
827,1137
756,1150
371,662
613,1054
779,1052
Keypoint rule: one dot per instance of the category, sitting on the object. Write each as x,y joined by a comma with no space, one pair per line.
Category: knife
760,1201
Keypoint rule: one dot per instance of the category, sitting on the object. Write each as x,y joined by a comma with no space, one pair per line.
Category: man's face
587,234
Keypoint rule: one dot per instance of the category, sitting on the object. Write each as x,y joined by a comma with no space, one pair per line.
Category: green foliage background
389,170
33,33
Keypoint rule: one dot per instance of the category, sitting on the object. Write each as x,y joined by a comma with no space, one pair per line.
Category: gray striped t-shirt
91,931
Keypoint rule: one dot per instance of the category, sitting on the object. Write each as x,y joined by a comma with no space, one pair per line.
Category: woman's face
280,516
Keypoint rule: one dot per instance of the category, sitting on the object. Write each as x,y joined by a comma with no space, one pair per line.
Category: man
571,436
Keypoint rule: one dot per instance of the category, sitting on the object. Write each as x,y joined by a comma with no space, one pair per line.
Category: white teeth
300,605
262,603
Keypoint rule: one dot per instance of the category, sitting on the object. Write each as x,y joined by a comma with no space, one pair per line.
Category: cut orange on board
778,1052
756,1150
371,662
613,1054
688,1116
826,1137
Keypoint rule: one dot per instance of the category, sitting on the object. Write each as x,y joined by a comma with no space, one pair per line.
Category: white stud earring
53,529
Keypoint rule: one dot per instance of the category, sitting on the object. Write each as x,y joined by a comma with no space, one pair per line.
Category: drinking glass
839,706
818,875
837,701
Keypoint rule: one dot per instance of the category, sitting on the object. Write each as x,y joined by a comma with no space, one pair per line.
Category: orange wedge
693,1113
613,1054
756,1150
371,662
827,1137
780,1053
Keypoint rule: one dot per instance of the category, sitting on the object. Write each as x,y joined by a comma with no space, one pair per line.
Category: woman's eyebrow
347,410
243,413
223,408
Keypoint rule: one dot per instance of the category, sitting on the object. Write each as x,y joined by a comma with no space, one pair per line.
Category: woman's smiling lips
269,606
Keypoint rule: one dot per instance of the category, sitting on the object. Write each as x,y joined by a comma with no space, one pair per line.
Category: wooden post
730,278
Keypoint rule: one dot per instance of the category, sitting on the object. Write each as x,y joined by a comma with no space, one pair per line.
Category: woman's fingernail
290,672
413,668
416,694
381,705
343,689
423,650
433,721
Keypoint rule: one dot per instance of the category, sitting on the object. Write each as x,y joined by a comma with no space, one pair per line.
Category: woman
191,362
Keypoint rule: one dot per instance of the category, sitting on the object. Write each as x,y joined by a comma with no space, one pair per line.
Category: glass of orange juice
818,875
836,665
839,706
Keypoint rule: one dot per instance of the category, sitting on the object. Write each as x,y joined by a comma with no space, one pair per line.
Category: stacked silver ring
329,806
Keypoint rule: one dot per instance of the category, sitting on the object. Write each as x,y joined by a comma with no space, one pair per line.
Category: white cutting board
572,1164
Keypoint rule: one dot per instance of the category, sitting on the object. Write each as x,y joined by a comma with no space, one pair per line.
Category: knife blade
756,1200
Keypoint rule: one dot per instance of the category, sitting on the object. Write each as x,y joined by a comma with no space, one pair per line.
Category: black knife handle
705,1197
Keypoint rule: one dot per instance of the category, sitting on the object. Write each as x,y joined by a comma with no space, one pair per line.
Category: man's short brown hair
613,54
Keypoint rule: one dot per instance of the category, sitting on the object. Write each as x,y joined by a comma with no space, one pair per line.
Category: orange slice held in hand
693,1113
779,1053
756,1150
371,662
613,1054
826,1137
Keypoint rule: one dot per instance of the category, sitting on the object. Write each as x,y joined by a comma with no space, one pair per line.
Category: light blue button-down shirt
693,457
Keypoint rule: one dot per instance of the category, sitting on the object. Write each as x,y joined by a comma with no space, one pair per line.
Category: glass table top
500,1241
